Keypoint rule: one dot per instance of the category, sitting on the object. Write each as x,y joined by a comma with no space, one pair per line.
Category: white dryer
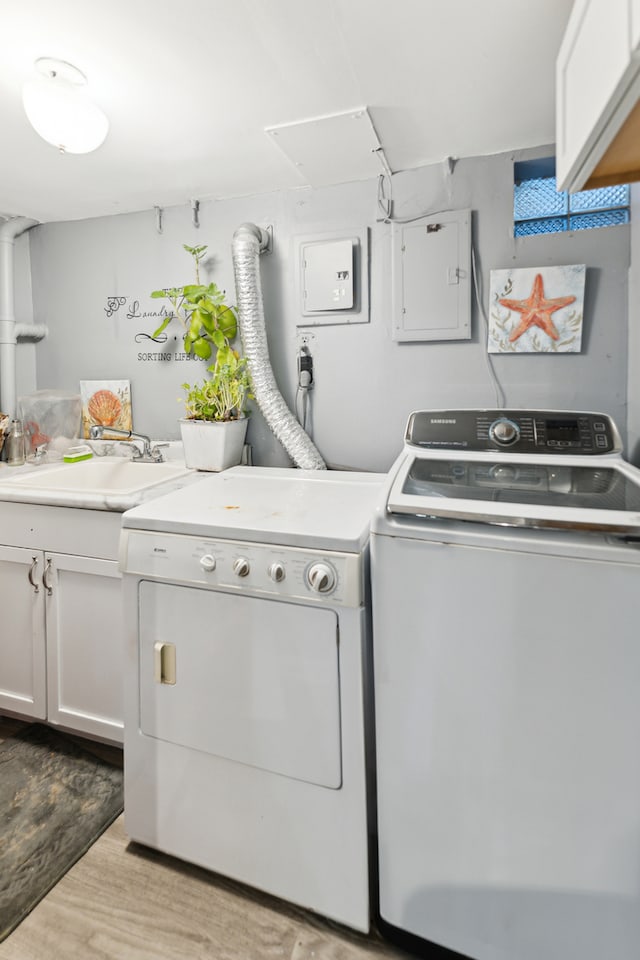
505,578
248,646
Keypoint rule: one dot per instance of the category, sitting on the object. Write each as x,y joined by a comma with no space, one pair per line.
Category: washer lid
317,509
576,493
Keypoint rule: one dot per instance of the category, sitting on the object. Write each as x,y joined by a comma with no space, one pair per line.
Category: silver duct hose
248,242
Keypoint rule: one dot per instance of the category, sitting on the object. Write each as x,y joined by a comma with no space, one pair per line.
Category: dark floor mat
55,800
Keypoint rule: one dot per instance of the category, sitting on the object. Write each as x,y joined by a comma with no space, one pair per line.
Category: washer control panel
520,431
255,568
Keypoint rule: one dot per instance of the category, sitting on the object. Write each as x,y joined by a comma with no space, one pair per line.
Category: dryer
505,577
248,693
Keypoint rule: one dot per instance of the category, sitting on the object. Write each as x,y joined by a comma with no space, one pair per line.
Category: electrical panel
332,280
327,275
431,278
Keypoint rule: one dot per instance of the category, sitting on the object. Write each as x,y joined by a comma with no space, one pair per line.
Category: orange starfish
536,311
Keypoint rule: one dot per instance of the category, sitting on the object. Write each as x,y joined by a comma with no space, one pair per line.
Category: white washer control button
321,577
207,562
277,572
241,567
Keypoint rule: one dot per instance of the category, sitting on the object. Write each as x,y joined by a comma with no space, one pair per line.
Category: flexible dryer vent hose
248,242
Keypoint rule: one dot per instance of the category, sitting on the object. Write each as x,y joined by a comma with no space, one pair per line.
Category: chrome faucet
148,454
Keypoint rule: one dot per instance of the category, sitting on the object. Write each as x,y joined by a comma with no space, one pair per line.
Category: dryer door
249,679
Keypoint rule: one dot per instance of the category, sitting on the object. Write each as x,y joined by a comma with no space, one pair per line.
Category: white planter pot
213,446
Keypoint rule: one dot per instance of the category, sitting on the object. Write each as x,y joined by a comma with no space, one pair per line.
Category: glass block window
538,207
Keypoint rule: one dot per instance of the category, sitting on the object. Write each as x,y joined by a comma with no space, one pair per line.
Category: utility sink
107,483
117,475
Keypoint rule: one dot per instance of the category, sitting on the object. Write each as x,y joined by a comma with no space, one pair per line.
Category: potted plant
215,425
214,428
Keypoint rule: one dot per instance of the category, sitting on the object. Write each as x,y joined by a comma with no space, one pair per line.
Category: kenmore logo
441,420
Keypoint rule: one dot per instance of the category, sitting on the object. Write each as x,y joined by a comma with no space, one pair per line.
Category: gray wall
365,384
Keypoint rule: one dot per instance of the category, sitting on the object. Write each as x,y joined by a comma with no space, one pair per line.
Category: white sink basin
104,476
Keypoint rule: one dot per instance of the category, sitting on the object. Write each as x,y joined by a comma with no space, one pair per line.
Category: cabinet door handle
164,662
31,574
45,582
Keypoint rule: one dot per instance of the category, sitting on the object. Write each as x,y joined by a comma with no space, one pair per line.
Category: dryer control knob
241,567
207,562
321,577
277,572
505,432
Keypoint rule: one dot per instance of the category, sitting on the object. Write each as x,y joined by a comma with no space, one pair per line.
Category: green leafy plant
209,323
225,395
207,320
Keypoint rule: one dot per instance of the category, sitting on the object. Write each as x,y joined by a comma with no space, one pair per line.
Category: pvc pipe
9,231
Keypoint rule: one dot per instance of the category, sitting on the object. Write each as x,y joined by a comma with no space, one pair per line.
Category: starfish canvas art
537,310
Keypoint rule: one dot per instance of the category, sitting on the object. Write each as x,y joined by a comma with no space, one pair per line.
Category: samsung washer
505,578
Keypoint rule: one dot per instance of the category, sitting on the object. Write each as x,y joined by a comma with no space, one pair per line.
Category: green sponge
80,452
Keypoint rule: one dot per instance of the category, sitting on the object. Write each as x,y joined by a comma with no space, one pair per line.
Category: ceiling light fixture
59,108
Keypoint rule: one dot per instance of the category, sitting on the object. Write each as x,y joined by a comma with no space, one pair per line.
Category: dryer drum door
253,680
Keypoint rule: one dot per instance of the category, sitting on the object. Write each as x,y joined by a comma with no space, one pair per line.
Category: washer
248,631
505,583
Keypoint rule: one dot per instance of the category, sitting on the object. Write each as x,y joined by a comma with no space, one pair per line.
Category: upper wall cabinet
597,96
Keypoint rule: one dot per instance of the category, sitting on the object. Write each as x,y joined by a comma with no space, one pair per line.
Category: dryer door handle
164,662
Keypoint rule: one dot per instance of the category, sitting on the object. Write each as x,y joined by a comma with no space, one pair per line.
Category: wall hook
380,154
158,211
195,211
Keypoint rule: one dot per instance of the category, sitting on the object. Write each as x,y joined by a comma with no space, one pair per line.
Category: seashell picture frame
105,403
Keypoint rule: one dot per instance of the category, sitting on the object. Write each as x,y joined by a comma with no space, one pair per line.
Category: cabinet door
594,69
23,687
85,645
634,12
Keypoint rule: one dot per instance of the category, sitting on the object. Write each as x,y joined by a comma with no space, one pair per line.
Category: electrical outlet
304,338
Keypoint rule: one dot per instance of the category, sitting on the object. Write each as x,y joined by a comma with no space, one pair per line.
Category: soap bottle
15,445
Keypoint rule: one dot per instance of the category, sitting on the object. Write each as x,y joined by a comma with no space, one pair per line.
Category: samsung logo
441,420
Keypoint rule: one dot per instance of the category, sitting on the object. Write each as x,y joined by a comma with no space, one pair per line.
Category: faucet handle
156,454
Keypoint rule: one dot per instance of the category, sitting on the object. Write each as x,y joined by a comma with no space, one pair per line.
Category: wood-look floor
122,901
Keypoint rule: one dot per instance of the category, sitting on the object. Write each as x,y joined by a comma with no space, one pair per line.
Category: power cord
305,384
501,399
385,207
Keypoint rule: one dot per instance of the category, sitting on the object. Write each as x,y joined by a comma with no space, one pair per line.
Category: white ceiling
190,86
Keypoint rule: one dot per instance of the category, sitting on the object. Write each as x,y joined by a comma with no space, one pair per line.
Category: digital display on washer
562,430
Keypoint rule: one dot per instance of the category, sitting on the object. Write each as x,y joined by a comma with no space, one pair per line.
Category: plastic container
51,418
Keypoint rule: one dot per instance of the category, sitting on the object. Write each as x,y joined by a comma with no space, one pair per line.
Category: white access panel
332,277
432,278
334,149
327,275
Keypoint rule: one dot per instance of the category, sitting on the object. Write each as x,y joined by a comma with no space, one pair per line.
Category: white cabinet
635,25
23,677
597,91
61,630
84,645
